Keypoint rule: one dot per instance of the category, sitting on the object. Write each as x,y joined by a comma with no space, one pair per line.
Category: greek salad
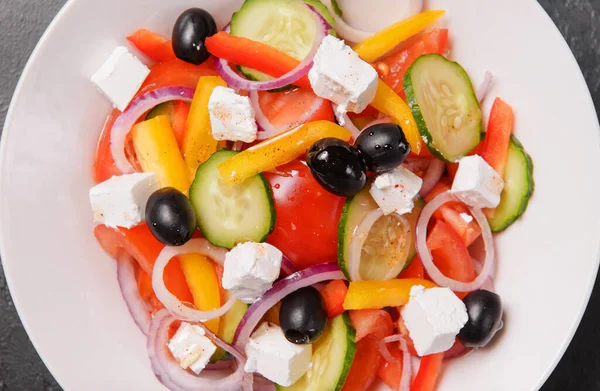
296,204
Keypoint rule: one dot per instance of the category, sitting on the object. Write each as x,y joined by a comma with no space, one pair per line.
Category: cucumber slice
333,354
228,215
441,97
380,253
228,325
287,25
518,187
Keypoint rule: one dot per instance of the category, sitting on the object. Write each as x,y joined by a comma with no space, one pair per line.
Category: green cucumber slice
228,325
441,97
380,251
228,215
333,354
518,187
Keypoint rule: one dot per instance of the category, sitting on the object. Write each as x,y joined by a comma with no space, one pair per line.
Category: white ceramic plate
64,286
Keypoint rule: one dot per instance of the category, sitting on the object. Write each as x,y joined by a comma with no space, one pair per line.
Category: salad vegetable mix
294,203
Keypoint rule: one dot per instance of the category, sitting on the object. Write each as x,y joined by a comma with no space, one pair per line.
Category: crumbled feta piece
120,77
250,269
338,74
231,116
273,356
433,317
191,348
395,191
476,183
121,200
467,218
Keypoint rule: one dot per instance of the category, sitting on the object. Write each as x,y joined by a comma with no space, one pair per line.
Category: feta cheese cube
191,348
476,183
339,75
395,191
433,317
273,356
121,200
120,77
231,116
250,269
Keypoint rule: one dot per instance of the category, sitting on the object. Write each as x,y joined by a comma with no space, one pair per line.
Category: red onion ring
140,105
434,273
359,236
282,288
266,129
488,285
287,267
485,87
342,118
383,120
169,300
176,378
406,360
138,308
236,81
383,350
432,176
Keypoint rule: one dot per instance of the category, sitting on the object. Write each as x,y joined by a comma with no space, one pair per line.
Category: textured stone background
22,22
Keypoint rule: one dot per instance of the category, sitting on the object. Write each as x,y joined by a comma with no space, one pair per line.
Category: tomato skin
334,294
428,373
391,372
414,270
366,365
284,107
307,216
104,165
377,323
153,45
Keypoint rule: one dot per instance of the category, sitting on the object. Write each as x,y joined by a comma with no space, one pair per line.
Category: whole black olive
191,29
383,147
303,316
337,166
485,318
170,216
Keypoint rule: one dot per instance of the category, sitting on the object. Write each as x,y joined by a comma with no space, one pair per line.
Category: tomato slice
377,323
393,67
307,216
366,365
286,107
176,73
391,372
414,270
153,45
334,294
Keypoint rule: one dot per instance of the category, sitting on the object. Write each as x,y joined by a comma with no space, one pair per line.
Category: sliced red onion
383,120
406,360
287,267
282,288
382,347
359,236
262,384
434,273
219,365
140,105
488,285
267,130
236,81
432,176
138,308
169,300
342,118
176,378
485,86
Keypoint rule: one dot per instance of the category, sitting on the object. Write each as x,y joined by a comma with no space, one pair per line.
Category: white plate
64,286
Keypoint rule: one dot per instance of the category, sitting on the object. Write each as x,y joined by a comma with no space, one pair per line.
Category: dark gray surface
22,22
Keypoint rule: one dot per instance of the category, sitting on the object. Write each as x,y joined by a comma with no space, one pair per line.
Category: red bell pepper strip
252,54
153,45
428,373
334,294
497,138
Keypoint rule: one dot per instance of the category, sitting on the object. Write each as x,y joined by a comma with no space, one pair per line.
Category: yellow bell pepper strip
389,103
202,279
278,150
387,39
380,294
198,142
157,151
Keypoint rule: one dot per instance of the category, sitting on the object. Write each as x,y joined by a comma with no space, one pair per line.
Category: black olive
337,166
383,147
485,318
170,216
303,316
191,29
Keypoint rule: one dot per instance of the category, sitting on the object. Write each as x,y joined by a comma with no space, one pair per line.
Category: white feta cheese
273,356
121,200
250,269
476,183
339,75
395,191
433,317
191,348
231,116
120,77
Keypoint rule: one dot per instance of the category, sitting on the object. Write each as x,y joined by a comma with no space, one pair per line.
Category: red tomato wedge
153,45
414,270
391,372
366,365
144,281
334,294
377,323
392,68
428,373
307,216
144,248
